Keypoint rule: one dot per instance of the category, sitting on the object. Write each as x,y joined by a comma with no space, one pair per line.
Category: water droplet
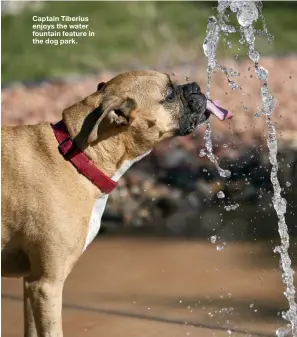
262,73
242,40
288,184
246,13
228,28
220,195
220,248
280,332
202,153
224,173
231,207
254,56
211,41
213,239
268,100
233,85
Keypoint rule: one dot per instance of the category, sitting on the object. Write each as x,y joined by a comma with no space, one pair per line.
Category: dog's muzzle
194,108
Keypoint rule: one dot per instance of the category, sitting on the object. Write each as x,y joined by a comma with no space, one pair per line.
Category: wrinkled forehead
136,84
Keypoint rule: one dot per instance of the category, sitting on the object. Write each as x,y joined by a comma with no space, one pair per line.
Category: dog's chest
95,220
100,203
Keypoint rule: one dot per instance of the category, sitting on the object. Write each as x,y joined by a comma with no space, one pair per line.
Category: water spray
247,12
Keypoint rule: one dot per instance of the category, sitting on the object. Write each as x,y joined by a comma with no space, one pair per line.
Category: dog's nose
191,88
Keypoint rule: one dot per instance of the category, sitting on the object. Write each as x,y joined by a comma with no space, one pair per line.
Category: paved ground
150,288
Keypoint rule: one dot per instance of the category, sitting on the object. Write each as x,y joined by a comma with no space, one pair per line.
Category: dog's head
143,108
149,97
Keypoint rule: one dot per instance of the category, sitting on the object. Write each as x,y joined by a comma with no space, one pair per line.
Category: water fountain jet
247,12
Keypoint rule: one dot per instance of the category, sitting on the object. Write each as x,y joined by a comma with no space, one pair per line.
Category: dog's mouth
214,108
197,109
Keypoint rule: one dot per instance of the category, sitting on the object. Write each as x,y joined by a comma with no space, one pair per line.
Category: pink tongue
217,110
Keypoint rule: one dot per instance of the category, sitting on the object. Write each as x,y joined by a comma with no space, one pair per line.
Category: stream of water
247,13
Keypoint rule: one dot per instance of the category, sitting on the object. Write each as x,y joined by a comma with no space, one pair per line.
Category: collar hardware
79,159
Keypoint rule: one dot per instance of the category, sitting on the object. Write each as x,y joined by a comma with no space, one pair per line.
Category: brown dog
50,212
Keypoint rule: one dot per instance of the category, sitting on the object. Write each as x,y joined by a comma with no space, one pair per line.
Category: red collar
80,161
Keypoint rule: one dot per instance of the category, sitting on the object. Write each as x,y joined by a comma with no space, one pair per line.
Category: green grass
127,34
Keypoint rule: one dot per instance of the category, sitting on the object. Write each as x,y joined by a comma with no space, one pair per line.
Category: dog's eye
121,114
171,95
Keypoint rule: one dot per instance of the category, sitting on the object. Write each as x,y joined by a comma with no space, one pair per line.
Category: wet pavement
140,287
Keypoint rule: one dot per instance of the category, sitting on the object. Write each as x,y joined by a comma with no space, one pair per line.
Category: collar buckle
66,148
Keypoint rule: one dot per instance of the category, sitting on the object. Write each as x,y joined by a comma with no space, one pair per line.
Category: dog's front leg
29,322
46,301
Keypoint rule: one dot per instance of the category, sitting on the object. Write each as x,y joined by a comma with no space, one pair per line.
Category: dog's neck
110,155
126,165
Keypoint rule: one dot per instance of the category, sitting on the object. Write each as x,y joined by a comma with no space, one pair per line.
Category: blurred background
172,259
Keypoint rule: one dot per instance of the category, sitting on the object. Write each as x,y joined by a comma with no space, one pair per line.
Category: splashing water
231,207
247,12
210,46
221,195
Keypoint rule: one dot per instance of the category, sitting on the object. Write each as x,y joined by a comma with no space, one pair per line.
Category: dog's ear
118,111
100,86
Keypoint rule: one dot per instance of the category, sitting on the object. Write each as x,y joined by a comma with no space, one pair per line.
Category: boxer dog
56,178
